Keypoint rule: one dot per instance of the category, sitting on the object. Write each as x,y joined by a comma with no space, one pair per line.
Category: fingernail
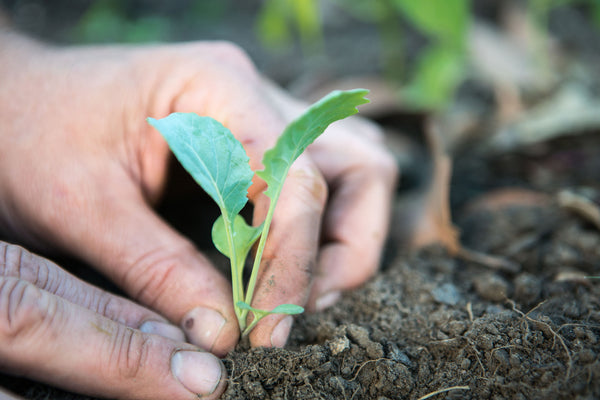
280,333
163,329
327,300
199,372
203,326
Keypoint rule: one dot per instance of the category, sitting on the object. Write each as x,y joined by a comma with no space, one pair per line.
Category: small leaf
244,306
212,155
244,237
303,131
289,309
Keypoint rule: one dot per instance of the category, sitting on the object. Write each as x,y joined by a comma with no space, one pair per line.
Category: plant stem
258,257
236,283
252,325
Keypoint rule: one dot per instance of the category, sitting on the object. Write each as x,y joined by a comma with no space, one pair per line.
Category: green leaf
212,155
289,309
244,237
303,131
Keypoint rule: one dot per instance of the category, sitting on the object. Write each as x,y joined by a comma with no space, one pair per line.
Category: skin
79,172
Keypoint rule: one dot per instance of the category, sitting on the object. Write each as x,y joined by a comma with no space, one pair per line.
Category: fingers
363,177
290,254
353,236
17,262
47,338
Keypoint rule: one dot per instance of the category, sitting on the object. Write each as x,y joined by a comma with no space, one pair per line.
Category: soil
430,322
434,325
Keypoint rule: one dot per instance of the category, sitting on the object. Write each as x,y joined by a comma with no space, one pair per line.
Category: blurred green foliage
431,81
441,65
277,20
106,21
428,75
127,22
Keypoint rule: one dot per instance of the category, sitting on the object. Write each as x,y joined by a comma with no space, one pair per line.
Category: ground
431,322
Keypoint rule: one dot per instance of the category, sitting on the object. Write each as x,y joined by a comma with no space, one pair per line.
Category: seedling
218,162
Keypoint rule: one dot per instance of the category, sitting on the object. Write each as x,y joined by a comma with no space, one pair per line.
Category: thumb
157,266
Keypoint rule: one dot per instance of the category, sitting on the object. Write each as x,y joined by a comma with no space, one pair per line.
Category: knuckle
377,157
17,262
151,277
310,184
229,53
11,257
21,308
382,163
130,352
105,304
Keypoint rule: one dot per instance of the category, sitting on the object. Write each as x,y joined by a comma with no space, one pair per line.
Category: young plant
217,162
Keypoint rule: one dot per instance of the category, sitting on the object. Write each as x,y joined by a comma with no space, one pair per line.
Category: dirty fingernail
327,300
203,326
281,332
198,372
163,329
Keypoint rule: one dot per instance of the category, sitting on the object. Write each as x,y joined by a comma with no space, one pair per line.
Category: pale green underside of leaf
244,237
212,155
289,309
303,131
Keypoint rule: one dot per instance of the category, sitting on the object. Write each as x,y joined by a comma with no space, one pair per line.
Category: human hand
60,330
84,167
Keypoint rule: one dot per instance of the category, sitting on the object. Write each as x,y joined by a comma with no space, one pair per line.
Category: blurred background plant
440,66
419,47
278,21
441,63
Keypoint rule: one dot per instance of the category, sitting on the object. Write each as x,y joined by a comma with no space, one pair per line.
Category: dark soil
430,322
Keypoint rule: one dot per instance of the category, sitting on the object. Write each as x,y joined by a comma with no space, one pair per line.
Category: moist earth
429,322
